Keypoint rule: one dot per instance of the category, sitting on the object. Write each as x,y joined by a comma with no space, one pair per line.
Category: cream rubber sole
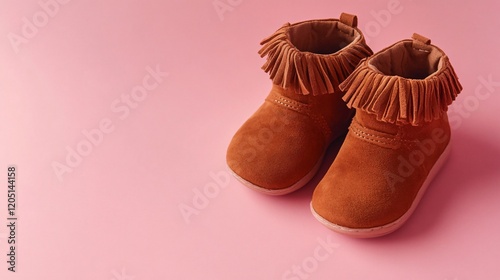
390,227
299,184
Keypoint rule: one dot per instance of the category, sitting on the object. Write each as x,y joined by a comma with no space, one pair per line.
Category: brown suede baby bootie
281,146
397,141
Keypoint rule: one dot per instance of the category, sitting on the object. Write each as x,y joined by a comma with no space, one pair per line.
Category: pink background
116,215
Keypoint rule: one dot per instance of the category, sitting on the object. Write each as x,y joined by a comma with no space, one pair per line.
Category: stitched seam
286,105
284,100
373,135
303,108
395,139
296,106
370,139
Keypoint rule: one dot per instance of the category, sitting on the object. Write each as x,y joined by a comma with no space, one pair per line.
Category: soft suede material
370,182
285,139
399,131
277,146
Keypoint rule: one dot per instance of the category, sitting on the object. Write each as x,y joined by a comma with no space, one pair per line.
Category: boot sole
390,227
299,184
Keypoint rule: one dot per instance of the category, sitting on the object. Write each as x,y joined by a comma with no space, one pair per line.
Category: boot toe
355,194
276,151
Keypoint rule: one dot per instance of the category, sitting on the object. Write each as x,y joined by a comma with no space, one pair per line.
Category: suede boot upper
280,147
397,140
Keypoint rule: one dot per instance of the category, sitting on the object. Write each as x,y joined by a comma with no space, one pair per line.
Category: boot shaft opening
322,36
405,60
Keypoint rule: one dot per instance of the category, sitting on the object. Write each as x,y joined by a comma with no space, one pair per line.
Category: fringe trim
306,72
395,99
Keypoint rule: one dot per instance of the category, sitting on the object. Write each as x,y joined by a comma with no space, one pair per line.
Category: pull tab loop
349,19
421,42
